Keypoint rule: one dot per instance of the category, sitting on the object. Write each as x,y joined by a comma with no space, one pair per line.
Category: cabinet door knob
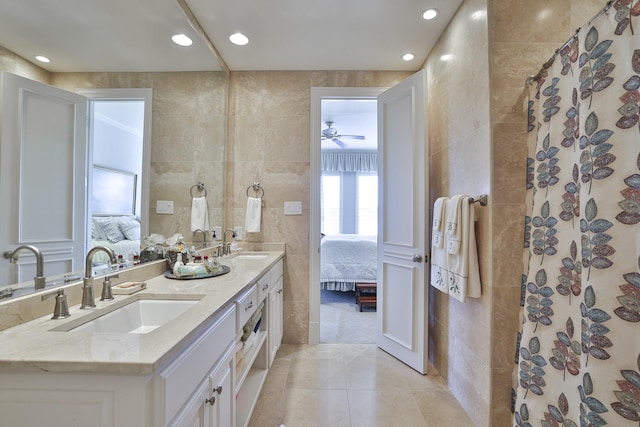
218,389
210,401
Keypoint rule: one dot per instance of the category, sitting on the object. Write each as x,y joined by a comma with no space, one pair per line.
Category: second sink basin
138,317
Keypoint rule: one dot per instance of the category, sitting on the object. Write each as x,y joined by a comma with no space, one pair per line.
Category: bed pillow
96,230
130,227
110,228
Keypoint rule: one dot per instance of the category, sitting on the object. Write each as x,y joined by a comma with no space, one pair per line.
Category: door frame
317,95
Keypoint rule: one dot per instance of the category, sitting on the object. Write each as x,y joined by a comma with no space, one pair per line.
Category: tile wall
478,144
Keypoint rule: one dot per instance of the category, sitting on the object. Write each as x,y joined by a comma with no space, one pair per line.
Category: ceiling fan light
182,40
429,14
238,39
408,56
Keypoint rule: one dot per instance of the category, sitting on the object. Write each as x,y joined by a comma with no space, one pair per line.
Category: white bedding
347,259
126,248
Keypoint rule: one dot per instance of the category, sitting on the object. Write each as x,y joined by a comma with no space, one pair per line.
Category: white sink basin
139,317
242,255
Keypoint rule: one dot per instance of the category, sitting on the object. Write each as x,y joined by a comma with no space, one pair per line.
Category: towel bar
483,200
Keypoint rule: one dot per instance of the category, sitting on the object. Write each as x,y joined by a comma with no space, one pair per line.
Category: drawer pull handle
265,287
250,305
210,401
218,389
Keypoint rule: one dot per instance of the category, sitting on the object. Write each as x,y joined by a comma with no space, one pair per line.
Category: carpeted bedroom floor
342,322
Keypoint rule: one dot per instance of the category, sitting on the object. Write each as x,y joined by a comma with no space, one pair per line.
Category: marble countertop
35,347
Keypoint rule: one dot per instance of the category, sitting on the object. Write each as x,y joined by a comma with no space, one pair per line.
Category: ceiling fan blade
351,136
338,142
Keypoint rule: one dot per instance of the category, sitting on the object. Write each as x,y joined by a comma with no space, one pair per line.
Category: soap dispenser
177,264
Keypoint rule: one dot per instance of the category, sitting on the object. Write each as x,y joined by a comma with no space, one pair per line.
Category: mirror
188,138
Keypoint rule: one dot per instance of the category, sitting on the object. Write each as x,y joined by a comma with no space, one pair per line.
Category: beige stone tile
512,63
373,408
509,162
440,409
305,351
501,396
311,408
523,21
508,244
505,326
326,374
296,322
375,374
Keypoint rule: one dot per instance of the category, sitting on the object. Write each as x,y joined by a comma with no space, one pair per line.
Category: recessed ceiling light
446,57
42,58
182,40
238,39
408,56
430,14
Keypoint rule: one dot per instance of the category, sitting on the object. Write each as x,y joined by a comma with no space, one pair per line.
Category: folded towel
438,226
463,273
453,226
199,214
252,218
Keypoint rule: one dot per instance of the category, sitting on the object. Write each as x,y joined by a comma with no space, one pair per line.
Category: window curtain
578,359
349,162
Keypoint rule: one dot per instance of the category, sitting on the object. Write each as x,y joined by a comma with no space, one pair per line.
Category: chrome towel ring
256,188
200,187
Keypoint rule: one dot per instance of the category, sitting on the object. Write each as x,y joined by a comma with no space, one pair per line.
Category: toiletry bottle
177,264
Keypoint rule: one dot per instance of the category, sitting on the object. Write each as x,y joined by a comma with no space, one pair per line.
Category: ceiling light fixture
42,58
238,39
430,14
408,56
446,57
182,40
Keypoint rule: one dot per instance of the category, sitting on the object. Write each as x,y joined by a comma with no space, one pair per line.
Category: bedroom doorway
344,215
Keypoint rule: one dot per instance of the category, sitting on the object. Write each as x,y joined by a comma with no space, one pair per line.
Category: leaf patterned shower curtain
578,359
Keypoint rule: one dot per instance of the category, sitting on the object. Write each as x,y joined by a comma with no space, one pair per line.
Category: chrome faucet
226,246
39,280
87,283
204,236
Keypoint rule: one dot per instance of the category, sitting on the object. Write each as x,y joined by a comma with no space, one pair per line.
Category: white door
42,177
403,218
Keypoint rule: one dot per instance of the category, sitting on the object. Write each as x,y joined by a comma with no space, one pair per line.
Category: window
330,201
349,203
367,218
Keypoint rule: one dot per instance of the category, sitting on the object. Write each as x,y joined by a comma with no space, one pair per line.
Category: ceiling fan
333,135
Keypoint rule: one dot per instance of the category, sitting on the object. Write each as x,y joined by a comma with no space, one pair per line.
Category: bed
347,259
120,233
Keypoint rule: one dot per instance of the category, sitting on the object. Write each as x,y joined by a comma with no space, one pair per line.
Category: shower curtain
578,358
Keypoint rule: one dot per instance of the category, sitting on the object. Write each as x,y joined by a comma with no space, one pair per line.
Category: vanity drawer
246,305
182,376
264,286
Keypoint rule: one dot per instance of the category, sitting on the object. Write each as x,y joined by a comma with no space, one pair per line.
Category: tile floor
338,385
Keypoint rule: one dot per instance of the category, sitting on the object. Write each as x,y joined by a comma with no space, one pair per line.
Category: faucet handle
107,293
61,309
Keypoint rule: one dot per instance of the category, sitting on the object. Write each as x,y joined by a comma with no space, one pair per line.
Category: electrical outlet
218,232
164,207
238,231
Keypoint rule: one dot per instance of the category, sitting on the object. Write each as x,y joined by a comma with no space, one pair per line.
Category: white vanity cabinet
212,403
275,310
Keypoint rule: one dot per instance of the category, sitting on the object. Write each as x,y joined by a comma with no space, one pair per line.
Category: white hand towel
462,268
438,220
453,226
438,277
252,218
199,214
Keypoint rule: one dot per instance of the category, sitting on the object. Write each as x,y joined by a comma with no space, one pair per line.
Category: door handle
416,258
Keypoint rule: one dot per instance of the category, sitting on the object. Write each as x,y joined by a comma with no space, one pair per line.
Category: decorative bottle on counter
177,264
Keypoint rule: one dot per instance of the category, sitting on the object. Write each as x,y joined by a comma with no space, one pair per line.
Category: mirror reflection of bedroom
115,205
349,225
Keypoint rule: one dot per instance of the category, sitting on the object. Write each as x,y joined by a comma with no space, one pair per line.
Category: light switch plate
293,208
164,207
238,231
